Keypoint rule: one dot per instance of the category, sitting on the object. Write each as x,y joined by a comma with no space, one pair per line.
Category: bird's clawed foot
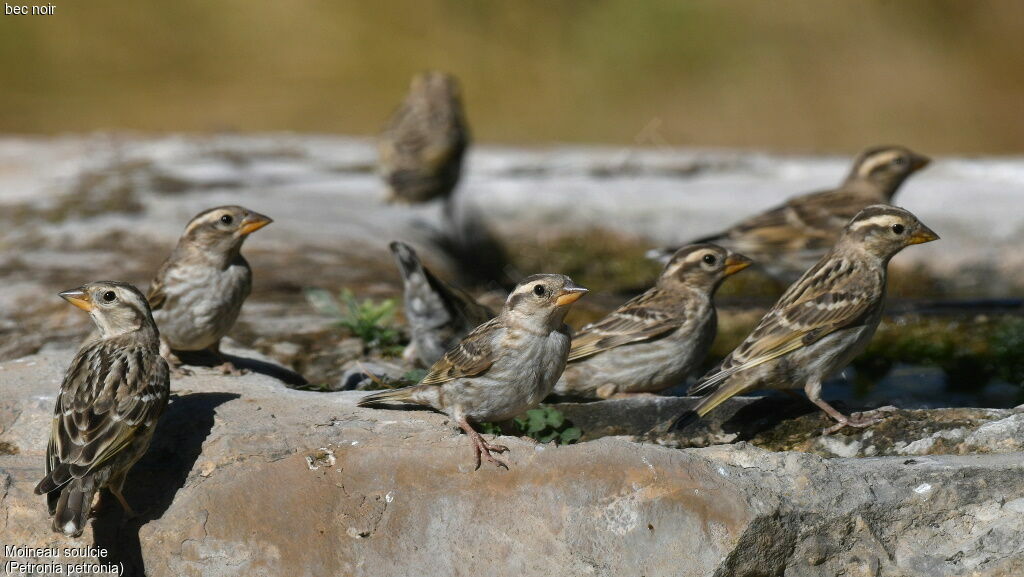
857,420
179,371
229,368
484,449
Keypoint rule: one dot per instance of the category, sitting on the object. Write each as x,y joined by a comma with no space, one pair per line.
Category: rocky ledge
248,477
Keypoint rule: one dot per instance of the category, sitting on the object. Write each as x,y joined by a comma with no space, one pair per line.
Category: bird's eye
226,219
898,228
538,290
109,297
710,259
899,161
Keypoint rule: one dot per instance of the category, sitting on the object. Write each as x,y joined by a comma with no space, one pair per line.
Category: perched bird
822,321
198,292
112,396
503,368
655,340
788,239
422,146
439,315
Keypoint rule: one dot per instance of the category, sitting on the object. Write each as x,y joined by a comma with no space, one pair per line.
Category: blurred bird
821,322
112,396
788,239
655,340
421,148
198,292
439,315
503,368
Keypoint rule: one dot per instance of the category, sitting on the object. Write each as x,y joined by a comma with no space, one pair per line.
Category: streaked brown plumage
421,148
655,340
503,368
112,396
788,239
822,321
198,292
439,315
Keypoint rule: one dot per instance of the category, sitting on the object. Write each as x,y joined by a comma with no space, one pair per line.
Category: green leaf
571,434
489,429
536,421
555,417
548,437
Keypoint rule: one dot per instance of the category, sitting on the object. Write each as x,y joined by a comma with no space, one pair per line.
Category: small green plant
545,424
369,320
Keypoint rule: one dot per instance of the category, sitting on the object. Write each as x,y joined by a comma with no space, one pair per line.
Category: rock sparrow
656,339
112,396
790,238
439,315
822,321
198,292
503,368
421,148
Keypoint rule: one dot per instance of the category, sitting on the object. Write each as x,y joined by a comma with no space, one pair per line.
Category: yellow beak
735,263
570,295
79,298
253,222
924,234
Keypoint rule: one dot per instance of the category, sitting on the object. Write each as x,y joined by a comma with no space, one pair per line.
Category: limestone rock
247,476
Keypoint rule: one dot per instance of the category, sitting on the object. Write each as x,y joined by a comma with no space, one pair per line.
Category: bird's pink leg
177,367
226,367
481,446
813,390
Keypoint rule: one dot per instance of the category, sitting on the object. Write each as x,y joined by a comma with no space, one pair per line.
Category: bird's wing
804,222
833,295
472,357
156,295
420,133
107,395
640,319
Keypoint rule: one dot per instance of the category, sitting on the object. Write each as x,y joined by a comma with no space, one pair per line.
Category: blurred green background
944,76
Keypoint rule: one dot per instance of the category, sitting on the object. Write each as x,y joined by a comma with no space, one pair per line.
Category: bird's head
116,307
542,300
702,266
435,86
884,230
222,230
886,167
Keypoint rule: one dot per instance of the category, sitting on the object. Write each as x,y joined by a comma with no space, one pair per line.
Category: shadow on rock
274,371
156,478
765,413
283,374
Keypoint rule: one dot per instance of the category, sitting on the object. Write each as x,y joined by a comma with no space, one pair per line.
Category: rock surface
248,477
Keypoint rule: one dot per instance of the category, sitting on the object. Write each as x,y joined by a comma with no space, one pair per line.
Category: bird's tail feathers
427,395
74,506
717,390
723,393
407,259
54,480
